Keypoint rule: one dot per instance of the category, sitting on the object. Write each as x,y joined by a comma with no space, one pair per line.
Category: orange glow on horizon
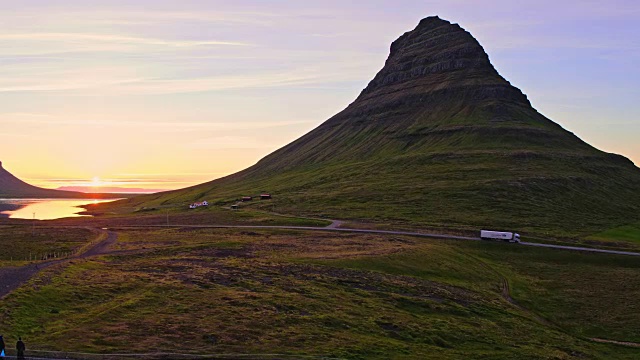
95,182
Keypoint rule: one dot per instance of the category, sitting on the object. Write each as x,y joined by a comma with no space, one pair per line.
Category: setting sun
95,182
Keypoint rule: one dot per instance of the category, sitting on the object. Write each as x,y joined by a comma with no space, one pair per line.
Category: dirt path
12,278
623,343
101,247
335,224
506,291
506,294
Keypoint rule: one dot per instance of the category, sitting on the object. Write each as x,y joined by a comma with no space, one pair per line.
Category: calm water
44,209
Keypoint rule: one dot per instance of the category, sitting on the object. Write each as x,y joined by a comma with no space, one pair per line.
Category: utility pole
33,228
167,216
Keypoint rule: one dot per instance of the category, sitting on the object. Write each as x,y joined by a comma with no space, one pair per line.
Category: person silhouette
20,348
2,347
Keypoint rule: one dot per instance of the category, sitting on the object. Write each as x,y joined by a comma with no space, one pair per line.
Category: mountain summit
436,48
439,138
437,94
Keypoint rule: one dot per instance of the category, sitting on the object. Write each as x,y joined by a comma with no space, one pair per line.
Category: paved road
12,278
388,232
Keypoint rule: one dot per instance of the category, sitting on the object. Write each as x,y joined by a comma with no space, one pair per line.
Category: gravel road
11,278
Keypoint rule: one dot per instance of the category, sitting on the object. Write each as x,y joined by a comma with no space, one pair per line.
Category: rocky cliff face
436,50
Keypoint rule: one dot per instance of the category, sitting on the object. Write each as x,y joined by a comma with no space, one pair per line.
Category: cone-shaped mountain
439,138
11,186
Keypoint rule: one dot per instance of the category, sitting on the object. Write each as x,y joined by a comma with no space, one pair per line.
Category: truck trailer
500,235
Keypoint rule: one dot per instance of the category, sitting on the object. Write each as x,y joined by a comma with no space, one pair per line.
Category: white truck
499,235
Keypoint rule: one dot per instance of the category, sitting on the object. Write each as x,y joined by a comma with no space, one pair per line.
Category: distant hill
108,189
438,138
12,187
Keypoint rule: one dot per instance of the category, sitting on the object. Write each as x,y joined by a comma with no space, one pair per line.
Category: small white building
198,204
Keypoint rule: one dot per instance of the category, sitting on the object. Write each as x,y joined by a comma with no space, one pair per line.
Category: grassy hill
437,138
327,295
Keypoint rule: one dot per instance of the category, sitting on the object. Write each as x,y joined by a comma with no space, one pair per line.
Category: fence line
59,355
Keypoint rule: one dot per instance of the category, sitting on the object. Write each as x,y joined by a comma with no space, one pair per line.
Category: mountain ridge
13,187
421,79
438,137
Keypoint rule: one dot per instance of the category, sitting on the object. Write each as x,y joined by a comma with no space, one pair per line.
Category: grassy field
460,149
588,295
629,234
18,242
345,295
465,192
212,215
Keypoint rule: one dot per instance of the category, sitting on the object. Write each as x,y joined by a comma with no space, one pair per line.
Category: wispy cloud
548,42
14,135
62,85
121,81
133,17
151,126
230,142
110,17
75,37
294,78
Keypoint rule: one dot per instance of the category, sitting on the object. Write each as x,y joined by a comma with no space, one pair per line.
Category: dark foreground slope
438,137
320,295
12,187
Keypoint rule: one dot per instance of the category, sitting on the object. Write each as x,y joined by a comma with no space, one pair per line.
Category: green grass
539,197
625,234
212,215
17,242
342,295
589,295
445,162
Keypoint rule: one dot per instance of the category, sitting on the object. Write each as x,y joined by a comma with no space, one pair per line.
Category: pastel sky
165,94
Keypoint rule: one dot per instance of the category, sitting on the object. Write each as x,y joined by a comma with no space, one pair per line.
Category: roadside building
198,204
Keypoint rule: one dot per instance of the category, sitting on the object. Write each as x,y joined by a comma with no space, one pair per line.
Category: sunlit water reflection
44,209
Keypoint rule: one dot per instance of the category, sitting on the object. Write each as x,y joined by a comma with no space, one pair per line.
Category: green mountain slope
438,137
